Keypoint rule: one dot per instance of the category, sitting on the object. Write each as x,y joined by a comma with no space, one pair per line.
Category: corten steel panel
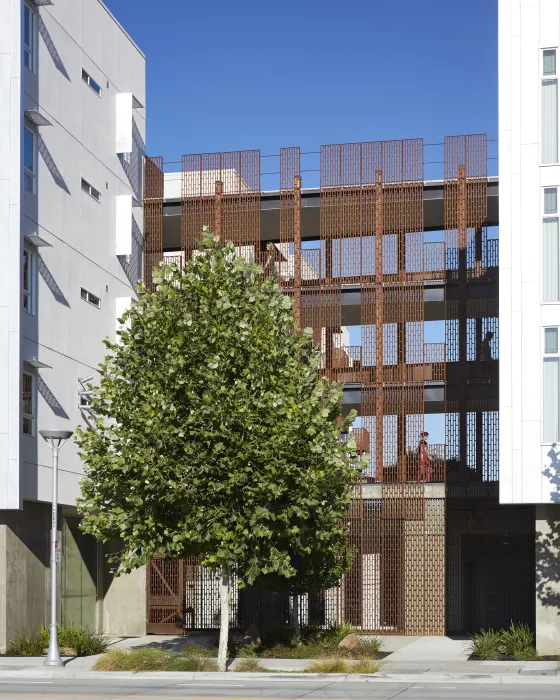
165,596
371,231
222,191
153,216
290,273
471,326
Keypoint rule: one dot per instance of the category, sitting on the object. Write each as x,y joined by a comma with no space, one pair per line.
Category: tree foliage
213,433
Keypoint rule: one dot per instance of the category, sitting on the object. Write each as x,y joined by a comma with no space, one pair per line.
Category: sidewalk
283,670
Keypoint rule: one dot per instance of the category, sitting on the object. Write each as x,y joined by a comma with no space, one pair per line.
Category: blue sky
247,74
224,76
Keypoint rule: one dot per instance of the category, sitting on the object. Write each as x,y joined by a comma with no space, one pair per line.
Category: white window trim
26,171
544,77
31,416
87,296
31,50
91,190
89,81
543,218
30,293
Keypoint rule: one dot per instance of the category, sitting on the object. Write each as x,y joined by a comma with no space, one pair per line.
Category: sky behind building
225,76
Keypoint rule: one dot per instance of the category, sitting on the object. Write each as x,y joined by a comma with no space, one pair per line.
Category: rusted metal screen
371,236
289,249
153,216
471,309
413,525
381,593
222,191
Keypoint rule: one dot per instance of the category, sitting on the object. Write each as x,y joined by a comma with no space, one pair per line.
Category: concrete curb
459,678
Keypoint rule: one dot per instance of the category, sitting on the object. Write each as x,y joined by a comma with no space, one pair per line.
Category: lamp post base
53,654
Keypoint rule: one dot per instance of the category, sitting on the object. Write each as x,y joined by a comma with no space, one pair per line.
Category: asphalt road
232,689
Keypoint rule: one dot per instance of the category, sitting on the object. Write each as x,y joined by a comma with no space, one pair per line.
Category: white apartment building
72,132
529,67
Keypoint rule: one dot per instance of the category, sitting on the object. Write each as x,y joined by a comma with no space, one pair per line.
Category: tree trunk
224,618
297,626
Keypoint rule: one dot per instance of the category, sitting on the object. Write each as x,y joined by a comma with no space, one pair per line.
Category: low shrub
368,649
334,634
249,666
341,666
365,666
329,666
517,642
485,645
243,651
26,645
72,641
149,659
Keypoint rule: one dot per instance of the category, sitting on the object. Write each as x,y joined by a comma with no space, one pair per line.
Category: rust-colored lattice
368,284
222,191
153,216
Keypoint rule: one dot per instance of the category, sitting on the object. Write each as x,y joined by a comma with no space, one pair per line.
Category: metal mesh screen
153,216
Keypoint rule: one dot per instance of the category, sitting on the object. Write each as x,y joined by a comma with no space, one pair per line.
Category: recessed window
28,404
29,159
551,387
551,341
550,246
96,87
90,189
28,281
550,200
29,25
549,108
90,298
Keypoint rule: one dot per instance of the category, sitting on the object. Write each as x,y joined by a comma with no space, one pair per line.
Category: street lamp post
55,439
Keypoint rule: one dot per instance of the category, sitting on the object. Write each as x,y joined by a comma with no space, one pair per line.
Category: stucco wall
525,27
66,332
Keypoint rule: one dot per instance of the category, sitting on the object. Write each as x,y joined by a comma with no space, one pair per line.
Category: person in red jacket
424,459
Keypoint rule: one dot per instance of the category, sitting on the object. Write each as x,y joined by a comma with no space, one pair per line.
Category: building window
89,297
29,159
86,77
549,108
550,246
90,189
29,25
28,281
28,407
551,387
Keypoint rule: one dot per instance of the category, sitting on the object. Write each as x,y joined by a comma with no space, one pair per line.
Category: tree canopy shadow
547,545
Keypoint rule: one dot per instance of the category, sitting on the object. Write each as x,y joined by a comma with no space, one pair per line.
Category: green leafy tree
213,433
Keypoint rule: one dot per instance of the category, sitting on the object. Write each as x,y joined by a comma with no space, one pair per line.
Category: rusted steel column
297,249
462,289
218,210
153,216
379,323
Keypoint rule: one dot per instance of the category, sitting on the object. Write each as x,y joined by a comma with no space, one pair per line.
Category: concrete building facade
72,132
529,61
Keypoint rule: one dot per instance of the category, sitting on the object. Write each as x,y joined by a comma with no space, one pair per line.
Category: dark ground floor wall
88,593
490,563
499,563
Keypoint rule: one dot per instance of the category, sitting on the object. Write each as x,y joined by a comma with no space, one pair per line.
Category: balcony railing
431,471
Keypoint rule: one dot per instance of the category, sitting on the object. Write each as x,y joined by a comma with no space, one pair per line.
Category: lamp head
56,438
